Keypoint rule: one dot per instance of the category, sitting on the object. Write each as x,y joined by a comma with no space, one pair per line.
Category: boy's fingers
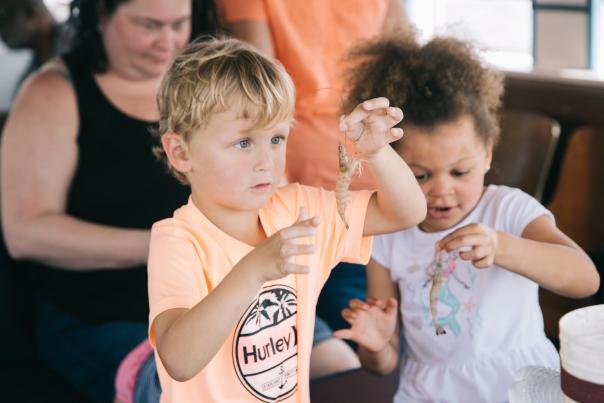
300,230
396,133
395,114
375,103
297,249
362,111
302,214
292,268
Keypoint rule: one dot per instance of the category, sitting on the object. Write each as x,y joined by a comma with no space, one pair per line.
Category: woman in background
81,188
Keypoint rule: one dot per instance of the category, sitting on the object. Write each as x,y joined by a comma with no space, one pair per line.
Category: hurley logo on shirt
265,347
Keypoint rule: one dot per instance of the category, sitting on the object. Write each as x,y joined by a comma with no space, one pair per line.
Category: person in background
28,24
80,186
311,38
467,277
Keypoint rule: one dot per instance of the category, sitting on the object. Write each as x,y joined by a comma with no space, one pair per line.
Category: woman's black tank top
118,182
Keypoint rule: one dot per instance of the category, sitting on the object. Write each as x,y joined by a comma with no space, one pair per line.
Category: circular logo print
265,347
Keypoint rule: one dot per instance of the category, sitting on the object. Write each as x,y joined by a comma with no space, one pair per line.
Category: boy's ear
177,152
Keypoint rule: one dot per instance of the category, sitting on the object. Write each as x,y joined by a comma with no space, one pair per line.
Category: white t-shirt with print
492,317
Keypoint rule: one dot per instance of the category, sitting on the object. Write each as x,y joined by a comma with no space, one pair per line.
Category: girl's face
232,169
142,37
449,162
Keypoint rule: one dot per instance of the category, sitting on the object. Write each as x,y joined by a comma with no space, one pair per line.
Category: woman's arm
39,158
258,33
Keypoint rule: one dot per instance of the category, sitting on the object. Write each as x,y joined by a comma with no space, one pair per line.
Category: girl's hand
371,125
372,323
275,257
483,240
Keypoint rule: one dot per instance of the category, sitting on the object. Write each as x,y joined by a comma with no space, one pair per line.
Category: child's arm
375,325
543,254
399,202
187,339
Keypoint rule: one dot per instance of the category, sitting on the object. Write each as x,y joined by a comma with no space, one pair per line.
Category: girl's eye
422,177
459,173
277,140
245,143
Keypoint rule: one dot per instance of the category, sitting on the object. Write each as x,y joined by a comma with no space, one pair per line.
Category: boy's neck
245,226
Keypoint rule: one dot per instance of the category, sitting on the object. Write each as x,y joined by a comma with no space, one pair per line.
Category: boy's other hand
372,323
371,125
276,257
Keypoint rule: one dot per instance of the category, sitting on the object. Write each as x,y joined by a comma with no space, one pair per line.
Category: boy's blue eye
245,143
422,177
277,140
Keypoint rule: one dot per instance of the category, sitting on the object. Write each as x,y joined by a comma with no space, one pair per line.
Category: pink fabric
127,373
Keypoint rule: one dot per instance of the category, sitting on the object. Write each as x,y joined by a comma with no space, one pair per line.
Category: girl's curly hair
432,83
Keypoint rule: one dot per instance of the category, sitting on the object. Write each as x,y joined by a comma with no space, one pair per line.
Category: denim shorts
322,331
85,354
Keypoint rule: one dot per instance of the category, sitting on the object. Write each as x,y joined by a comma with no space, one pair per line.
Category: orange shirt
311,38
267,356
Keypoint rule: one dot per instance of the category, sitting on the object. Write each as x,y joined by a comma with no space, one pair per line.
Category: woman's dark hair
433,83
86,38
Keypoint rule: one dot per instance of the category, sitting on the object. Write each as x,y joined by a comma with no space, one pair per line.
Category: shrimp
347,170
434,290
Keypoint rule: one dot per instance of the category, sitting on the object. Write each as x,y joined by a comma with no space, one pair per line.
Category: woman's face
142,37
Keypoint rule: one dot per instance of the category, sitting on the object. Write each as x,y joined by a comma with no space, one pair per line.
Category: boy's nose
264,159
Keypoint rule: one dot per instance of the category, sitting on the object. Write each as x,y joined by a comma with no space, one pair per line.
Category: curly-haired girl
467,277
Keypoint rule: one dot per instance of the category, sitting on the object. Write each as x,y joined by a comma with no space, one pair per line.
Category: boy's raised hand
372,323
276,257
371,125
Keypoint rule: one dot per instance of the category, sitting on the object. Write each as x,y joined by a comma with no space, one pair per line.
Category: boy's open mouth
440,209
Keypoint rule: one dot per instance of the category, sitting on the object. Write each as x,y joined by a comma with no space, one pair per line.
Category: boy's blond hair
212,75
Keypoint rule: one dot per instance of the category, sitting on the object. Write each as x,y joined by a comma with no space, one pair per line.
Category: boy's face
232,168
449,162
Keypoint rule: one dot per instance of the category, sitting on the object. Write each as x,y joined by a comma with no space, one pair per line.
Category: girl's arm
542,253
550,258
39,158
375,325
399,202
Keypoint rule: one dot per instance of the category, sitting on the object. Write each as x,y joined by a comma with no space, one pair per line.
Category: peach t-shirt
311,38
267,356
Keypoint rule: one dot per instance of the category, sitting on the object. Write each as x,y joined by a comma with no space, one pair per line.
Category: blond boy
235,274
